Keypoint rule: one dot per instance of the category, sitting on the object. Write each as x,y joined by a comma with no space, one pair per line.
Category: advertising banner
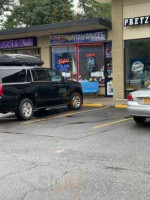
108,50
82,37
17,43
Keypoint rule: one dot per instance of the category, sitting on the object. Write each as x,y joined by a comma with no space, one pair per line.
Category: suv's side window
55,76
42,75
28,77
13,76
34,76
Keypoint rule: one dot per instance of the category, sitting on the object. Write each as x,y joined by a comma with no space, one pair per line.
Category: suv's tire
25,109
75,102
139,120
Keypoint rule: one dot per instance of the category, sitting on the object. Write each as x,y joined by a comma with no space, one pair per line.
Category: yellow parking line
61,116
94,105
111,123
121,106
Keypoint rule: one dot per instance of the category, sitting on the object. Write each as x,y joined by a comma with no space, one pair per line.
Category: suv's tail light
130,98
1,90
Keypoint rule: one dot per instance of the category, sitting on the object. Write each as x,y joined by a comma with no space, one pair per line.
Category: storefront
84,57
115,55
81,49
130,45
137,64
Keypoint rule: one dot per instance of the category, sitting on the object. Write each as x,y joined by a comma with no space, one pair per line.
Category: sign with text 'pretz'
137,21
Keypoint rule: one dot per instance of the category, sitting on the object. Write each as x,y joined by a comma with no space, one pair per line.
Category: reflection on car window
28,78
55,76
42,75
34,75
13,76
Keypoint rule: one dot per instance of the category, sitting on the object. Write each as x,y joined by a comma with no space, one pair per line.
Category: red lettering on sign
90,55
63,61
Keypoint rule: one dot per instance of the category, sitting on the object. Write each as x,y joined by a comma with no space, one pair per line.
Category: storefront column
44,43
118,49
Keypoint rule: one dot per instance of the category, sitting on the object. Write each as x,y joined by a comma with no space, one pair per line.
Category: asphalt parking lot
91,154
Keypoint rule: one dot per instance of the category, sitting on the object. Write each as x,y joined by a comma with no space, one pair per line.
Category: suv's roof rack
19,60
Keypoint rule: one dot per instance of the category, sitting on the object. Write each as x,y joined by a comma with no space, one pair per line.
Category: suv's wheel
75,102
139,120
25,109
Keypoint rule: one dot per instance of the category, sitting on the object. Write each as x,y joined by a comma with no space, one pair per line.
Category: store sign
93,36
18,43
137,21
63,64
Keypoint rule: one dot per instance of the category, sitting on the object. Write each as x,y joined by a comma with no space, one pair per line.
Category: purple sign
17,43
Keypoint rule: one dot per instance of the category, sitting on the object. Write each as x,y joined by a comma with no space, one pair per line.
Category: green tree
37,12
5,6
93,9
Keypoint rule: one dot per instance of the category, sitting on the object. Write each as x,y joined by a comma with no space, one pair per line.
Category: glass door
91,62
91,66
108,70
64,60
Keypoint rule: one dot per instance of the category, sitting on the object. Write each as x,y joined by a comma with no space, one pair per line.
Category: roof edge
63,25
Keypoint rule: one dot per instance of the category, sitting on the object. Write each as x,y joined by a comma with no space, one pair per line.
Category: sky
76,5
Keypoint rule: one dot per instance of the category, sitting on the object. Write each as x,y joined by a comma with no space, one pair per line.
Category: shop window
64,60
13,76
31,52
91,63
137,64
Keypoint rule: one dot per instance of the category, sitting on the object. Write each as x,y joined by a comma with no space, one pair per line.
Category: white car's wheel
139,120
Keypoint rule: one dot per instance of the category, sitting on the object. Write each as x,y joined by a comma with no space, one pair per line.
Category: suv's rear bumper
4,106
1,106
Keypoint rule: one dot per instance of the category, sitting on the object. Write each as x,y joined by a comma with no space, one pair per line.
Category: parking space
62,154
63,123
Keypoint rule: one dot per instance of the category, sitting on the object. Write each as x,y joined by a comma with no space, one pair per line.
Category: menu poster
110,88
108,50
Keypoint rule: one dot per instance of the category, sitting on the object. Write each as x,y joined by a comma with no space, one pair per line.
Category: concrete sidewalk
104,101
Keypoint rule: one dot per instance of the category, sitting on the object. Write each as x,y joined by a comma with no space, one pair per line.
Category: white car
139,105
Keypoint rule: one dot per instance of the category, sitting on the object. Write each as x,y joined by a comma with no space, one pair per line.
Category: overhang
103,1
49,29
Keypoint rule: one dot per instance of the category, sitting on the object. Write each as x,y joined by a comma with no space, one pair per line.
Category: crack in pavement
30,191
15,173
61,177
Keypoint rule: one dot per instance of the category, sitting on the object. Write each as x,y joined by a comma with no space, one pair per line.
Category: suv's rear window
13,76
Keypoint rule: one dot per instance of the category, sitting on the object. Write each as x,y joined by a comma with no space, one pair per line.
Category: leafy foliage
37,12
5,6
93,9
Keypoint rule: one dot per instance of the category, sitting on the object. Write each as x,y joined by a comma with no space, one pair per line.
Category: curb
98,105
121,106
93,105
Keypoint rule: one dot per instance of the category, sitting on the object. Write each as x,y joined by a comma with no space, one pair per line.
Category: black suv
27,88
